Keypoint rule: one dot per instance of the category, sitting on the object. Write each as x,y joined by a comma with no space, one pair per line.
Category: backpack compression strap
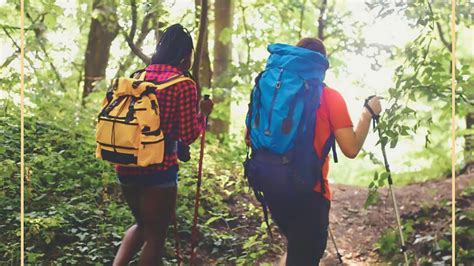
258,194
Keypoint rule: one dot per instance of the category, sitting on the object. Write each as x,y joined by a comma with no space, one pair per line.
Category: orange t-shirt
331,115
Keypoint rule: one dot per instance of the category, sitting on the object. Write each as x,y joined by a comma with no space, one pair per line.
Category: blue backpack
282,116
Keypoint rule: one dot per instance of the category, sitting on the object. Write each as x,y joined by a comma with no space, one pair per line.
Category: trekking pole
198,191
389,179
390,183
338,255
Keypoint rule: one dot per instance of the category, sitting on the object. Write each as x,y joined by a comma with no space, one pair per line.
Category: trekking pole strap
375,117
261,198
265,216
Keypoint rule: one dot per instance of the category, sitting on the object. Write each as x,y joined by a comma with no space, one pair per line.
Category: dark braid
174,45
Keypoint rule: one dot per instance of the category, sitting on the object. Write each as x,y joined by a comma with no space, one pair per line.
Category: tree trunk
222,59
103,31
200,43
205,70
321,22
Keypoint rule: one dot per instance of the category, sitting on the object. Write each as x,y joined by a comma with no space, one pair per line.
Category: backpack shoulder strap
138,73
142,75
172,81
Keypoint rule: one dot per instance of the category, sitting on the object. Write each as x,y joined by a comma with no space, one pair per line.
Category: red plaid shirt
179,119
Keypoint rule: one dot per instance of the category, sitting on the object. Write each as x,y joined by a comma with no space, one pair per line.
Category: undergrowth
428,234
75,212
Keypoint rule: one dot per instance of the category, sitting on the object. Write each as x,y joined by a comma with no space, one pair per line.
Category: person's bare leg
157,209
131,244
133,239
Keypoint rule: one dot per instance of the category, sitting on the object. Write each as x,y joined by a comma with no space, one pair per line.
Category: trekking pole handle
206,104
371,111
207,97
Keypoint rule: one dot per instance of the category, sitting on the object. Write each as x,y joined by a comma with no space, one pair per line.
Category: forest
401,50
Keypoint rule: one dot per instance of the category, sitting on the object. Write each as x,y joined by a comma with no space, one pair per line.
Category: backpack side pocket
152,145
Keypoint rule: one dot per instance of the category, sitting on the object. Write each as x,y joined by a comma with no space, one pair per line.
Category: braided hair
174,46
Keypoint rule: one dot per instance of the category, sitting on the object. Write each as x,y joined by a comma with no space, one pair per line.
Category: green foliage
389,245
75,211
9,195
424,78
428,234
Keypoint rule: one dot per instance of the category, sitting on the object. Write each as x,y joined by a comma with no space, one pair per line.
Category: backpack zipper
144,143
277,88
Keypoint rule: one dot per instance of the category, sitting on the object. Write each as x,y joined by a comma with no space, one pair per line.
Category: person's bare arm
349,140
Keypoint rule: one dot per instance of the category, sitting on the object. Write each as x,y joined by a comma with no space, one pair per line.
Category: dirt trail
356,230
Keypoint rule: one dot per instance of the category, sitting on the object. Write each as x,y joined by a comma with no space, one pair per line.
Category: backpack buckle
306,85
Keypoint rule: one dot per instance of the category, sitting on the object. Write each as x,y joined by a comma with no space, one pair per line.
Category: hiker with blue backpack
293,122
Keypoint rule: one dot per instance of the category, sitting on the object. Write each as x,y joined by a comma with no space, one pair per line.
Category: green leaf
372,184
372,198
226,35
393,142
384,176
212,219
50,21
381,182
201,211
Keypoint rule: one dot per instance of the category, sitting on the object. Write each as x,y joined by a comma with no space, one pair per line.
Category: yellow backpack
128,128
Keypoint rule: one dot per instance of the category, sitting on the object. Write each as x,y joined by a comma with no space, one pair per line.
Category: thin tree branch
129,37
9,59
441,36
137,51
46,54
440,30
12,39
322,10
30,62
133,29
246,30
14,27
200,43
145,29
303,8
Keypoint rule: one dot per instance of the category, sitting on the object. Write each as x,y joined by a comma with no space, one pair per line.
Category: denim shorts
168,178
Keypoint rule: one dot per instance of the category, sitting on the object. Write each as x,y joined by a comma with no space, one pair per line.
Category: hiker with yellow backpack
294,121
145,126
